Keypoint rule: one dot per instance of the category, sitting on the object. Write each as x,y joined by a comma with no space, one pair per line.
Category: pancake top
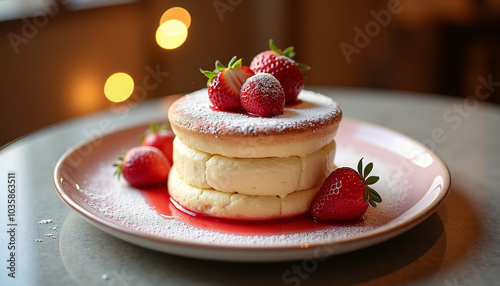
312,111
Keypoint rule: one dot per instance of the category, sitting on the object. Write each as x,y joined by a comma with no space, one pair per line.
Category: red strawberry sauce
159,199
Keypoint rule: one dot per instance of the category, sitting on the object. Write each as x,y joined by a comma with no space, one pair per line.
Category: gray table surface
458,245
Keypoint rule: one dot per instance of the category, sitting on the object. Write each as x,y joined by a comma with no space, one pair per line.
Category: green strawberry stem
289,53
118,167
153,128
233,63
119,164
370,194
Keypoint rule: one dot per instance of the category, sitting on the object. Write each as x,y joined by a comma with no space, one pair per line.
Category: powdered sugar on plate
125,206
411,191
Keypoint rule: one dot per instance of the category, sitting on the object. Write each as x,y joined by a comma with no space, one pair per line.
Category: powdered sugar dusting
263,95
313,111
266,83
125,206
392,185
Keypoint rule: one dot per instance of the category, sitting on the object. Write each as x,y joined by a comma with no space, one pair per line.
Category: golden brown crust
302,129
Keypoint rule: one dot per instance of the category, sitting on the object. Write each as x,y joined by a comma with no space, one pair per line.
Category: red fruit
280,64
160,138
262,95
345,194
143,166
224,84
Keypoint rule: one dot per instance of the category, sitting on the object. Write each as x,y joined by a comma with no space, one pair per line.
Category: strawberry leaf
231,62
368,169
372,203
164,126
236,64
154,128
118,166
360,167
209,74
375,196
273,47
219,66
303,67
371,180
370,194
288,52
141,138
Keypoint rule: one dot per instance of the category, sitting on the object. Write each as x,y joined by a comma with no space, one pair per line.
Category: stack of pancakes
237,166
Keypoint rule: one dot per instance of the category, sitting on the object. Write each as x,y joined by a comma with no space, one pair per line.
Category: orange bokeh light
171,34
173,29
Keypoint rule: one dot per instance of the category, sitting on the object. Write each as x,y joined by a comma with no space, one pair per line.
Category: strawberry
161,138
224,84
262,95
281,65
143,166
345,194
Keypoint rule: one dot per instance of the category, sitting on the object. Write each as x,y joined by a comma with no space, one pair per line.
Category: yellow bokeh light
177,13
171,34
119,87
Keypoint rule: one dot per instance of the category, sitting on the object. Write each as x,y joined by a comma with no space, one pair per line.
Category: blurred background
57,56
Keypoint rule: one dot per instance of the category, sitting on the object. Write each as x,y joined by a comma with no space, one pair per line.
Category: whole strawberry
143,166
345,194
224,84
161,138
281,65
262,95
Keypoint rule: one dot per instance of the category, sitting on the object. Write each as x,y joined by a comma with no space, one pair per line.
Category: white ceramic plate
414,183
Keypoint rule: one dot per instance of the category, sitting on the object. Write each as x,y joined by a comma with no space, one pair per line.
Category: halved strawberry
224,84
281,65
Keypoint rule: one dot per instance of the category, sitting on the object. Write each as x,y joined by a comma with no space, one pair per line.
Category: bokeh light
171,34
177,13
85,90
119,87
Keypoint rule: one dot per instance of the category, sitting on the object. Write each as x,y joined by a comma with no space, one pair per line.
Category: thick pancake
213,203
253,176
302,129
